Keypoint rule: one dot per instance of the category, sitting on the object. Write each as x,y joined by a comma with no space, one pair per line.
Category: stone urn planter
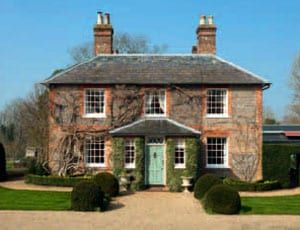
124,182
186,182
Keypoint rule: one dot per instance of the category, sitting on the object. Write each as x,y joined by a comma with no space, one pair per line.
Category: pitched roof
281,134
155,126
156,69
280,128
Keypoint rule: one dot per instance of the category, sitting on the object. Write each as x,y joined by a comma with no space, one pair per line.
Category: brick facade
244,113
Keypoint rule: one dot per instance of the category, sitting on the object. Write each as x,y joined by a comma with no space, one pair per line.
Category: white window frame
145,104
223,115
101,165
225,164
180,143
94,115
131,142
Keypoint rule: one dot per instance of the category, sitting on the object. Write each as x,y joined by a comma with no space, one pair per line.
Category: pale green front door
155,164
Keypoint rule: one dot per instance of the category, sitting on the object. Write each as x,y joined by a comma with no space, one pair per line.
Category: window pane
155,102
94,101
216,150
216,101
94,150
129,153
179,155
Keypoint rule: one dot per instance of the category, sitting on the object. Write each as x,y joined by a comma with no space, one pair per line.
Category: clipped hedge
108,183
254,186
86,196
204,184
55,180
276,162
222,199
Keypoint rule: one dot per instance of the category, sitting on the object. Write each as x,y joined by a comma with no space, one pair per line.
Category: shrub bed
255,186
55,180
222,199
108,183
276,162
86,196
204,183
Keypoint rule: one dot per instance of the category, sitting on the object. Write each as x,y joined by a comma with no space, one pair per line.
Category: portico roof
155,126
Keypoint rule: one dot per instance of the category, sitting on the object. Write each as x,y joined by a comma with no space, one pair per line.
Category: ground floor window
179,153
129,154
94,149
217,154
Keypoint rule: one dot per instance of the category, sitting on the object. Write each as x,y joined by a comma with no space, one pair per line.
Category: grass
33,200
271,205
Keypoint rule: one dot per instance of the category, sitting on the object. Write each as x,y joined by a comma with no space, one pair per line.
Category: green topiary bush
86,196
222,199
204,183
108,183
3,174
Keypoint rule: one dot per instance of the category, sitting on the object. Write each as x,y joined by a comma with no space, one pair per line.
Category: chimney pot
210,20
202,20
99,18
206,34
107,19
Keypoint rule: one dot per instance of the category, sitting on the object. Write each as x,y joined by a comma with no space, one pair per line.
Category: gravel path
144,210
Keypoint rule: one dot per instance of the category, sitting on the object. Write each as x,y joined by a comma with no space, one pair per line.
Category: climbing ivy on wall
136,174
118,146
192,151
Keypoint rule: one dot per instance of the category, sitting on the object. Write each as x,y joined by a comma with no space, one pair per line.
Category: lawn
33,200
271,205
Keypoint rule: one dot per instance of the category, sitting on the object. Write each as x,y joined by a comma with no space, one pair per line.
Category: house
281,134
156,117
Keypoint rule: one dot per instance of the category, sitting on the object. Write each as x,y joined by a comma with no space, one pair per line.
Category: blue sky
261,36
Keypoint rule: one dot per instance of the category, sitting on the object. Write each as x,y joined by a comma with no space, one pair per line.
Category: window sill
179,166
217,116
217,167
129,167
155,115
95,165
94,116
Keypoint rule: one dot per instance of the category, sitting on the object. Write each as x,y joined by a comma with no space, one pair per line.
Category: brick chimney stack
103,35
206,35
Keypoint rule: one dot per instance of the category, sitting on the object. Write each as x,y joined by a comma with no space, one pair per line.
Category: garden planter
186,183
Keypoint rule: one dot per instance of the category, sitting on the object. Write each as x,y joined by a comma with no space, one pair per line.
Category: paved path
144,210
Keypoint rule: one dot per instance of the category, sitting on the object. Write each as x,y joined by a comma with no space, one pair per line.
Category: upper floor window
155,103
179,153
94,102
217,103
94,151
129,156
216,152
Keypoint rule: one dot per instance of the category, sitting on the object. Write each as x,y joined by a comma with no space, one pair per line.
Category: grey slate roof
155,126
282,128
276,134
155,69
